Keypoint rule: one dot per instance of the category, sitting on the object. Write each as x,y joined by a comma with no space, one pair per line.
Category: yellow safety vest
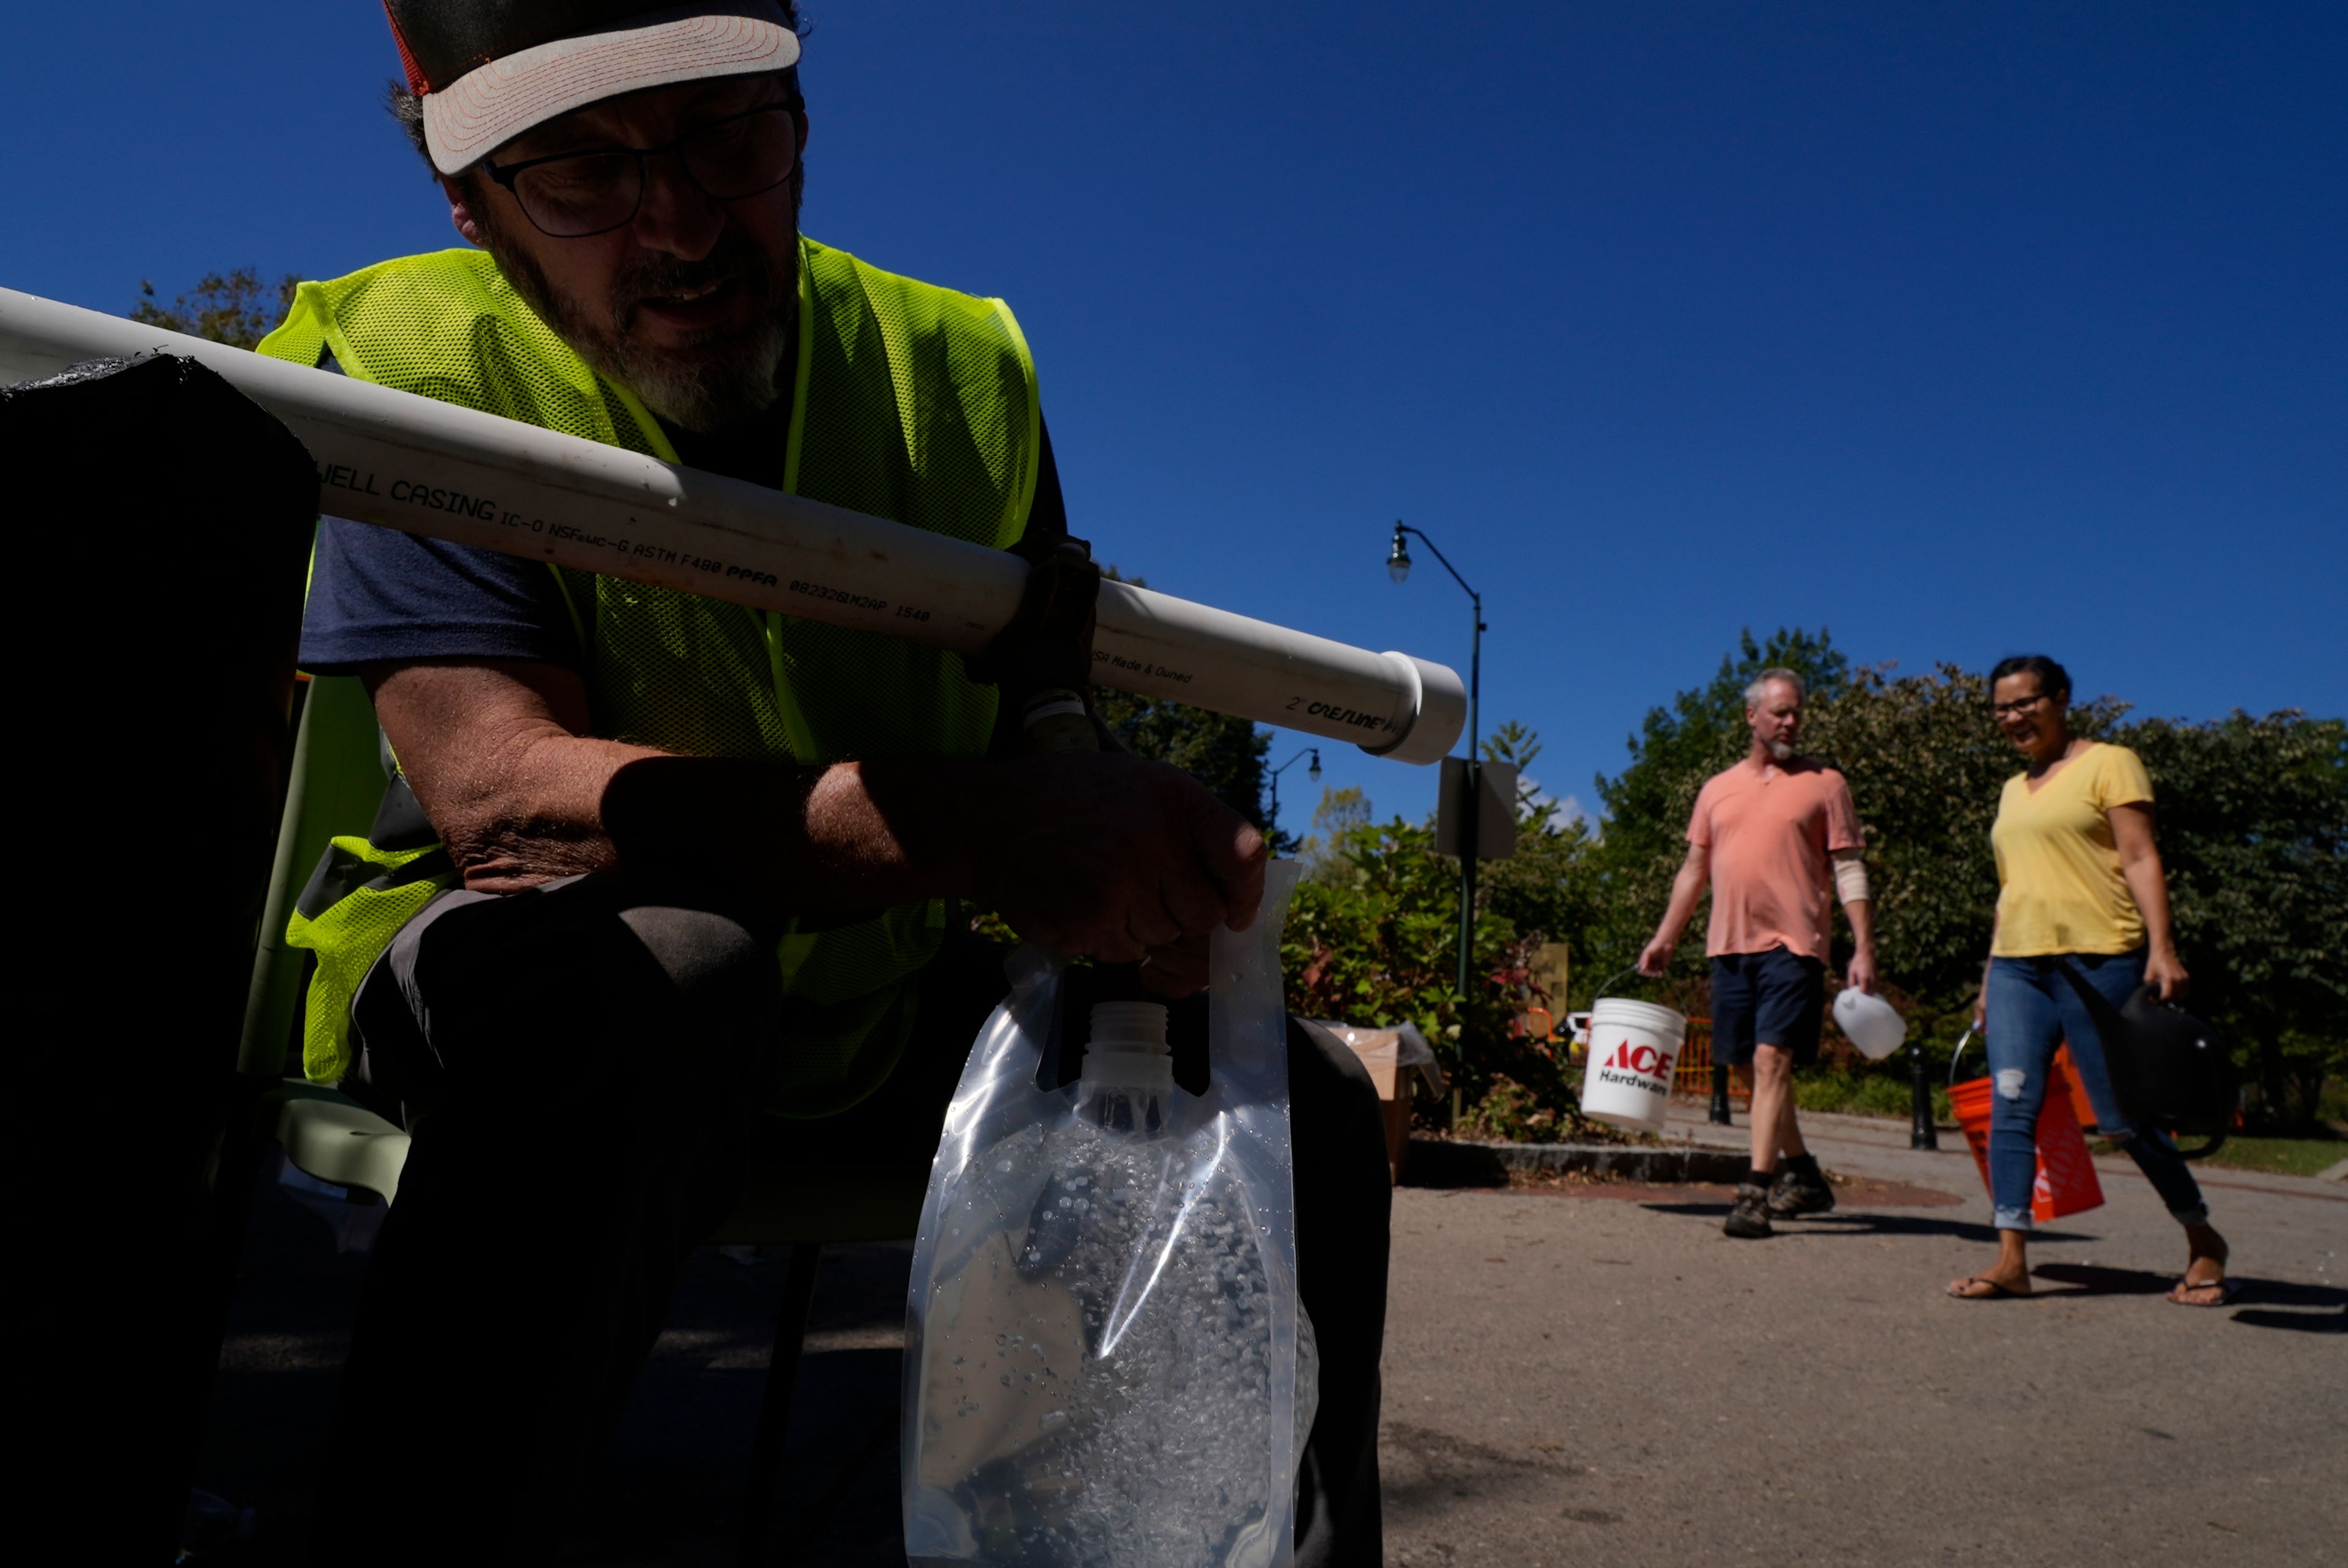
912,403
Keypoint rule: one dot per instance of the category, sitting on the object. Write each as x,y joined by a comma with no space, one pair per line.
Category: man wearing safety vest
653,868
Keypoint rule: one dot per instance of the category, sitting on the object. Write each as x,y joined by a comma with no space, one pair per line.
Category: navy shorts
1775,997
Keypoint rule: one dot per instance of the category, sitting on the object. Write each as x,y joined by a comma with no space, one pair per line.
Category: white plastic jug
1873,1024
1633,1049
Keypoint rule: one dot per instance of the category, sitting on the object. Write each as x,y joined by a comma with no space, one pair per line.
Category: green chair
338,778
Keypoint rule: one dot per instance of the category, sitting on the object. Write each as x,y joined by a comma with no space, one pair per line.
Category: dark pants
582,1070
1771,998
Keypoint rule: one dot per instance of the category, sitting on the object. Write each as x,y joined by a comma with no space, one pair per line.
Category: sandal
1992,1291
2224,1287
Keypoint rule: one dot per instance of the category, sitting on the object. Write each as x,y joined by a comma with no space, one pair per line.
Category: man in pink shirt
1777,839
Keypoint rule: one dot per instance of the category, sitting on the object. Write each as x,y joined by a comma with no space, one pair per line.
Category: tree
1224,754
229,308
1647,804
1340,811
2253,823
1925,765
1549,889
1703,730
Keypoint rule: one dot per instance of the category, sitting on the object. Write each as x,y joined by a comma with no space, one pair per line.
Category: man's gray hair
409,110
1760,687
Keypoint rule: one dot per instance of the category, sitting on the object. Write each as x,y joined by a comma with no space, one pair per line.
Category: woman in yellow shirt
2080,886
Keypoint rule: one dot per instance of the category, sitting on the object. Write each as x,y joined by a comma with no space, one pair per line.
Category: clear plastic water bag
1105,1361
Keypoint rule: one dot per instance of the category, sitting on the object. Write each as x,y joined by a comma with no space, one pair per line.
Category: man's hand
1656,955
1175,972
1861,970
1112,857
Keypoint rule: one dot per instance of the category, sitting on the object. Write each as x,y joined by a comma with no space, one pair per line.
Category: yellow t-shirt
2058,868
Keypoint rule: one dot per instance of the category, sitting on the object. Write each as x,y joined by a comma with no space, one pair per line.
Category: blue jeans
2032,1011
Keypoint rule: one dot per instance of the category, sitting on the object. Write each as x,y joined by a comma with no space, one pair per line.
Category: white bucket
1633,1047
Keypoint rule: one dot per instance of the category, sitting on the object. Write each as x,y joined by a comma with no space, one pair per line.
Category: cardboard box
1392,1056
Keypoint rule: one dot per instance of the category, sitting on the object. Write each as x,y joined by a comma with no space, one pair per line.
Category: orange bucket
2066,1181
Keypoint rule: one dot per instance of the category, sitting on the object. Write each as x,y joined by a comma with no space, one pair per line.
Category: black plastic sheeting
157,525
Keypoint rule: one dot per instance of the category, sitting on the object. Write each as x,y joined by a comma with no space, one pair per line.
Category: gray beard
725,385
1780,751
725,378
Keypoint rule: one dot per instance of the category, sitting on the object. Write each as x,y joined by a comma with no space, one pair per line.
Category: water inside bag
1108,1333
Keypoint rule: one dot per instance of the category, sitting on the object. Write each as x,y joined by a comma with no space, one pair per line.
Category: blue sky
1963,330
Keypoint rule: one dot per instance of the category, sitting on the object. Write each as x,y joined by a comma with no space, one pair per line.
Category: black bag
2169,1069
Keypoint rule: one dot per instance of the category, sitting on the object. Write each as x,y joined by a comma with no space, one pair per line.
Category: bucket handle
1609,986
1957,1056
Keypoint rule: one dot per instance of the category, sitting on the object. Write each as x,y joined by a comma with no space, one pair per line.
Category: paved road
1596,1375
1586,1375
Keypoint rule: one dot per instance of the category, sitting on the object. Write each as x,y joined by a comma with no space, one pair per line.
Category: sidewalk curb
1457,1162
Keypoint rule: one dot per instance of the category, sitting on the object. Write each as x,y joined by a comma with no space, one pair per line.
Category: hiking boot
1800,1193
1749,1220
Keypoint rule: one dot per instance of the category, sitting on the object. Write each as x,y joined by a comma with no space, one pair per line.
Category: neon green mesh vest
912,403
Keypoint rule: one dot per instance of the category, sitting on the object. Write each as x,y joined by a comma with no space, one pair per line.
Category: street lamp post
1471,809
1312,773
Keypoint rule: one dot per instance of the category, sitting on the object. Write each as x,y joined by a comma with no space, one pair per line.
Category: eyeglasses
2019,705
570,195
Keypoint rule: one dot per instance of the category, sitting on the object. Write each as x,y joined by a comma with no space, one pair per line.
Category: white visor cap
491,105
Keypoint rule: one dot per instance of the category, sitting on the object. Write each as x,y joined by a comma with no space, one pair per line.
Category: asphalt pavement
1595,1375
1575,1374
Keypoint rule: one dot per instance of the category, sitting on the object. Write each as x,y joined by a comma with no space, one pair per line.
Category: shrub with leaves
1511,1113
2253,823
1373,939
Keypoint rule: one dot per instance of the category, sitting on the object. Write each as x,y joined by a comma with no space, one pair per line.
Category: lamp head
1312,770
1398,558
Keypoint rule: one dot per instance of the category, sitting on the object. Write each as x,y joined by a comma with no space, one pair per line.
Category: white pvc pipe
428,468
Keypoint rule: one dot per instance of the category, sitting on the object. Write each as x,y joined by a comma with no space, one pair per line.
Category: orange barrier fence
1693,1075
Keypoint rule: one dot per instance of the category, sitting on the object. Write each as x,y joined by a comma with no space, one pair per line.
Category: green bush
1373,939
1853,1093
1511,1113
2286,1156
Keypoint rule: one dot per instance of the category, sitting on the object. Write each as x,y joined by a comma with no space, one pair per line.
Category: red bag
2066,1181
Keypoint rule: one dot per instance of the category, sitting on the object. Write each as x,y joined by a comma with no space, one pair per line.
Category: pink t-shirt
1770,832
